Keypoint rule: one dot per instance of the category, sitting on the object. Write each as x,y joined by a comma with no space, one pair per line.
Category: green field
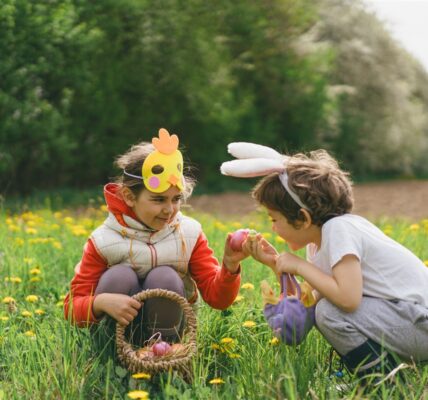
43,357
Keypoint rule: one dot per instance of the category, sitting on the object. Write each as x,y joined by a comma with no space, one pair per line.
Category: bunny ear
252,150
251,167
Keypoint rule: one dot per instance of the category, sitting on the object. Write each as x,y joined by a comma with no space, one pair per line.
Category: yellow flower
79,230
234,355
57,245
31,231
226,340
138,394
414,227
220,226
68,220
19,241
267,235
13,228
274,341
62,297
32,298
28,260
35,279
4,318
236,225
30,334
247,286
9,221
141,375
39,311
8,300
60,303
215,346
238,299
249,324
15,279
104,208
216,381
35,271
279,239
27,314
426,262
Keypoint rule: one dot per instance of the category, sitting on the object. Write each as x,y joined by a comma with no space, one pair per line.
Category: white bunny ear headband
257,160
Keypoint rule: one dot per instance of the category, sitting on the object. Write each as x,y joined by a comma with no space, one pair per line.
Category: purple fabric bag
290,320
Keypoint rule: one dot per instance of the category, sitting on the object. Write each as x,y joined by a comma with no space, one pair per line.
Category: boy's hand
288,262
120,307
232,259
261,250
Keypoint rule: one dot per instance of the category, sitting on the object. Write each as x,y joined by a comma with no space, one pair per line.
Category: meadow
42,356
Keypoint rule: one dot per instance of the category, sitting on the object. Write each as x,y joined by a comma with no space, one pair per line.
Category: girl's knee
323,314
119,278
164,277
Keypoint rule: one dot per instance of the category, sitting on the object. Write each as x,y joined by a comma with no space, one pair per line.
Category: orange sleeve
83,285
218,286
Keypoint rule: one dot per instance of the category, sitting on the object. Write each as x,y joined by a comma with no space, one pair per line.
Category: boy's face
296,238
156,210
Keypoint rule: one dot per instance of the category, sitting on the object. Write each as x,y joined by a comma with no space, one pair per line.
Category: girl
146,243
371,291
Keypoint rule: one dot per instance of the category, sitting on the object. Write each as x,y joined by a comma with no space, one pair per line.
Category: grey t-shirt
389,270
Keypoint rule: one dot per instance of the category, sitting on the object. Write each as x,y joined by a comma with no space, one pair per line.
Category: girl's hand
120,307
261,250
287,262
231,258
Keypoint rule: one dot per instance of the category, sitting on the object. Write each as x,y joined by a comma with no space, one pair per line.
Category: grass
44,357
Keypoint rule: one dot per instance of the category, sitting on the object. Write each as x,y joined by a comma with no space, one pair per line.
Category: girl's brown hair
132,162
318,181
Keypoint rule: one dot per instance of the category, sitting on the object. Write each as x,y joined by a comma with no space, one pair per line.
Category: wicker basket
181,362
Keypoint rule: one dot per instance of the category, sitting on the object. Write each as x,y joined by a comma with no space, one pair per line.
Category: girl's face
155,210
296,238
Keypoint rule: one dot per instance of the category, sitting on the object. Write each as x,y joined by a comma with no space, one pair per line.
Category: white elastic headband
256,160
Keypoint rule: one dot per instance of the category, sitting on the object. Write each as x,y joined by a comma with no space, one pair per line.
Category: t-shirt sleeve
341,238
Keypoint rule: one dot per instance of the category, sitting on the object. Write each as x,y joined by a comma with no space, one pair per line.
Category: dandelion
19,241
35,271
35,279
249,324
30,334
79,230
32,298
28,260
426,262
220,226
279,239
234,355
236,225
274,341
31,231
104,208
4,318
414,227
27,314
39,311
54,227
62,296
247,286
68,220
13,279
60,303
57,245
238,299
215,346
216,381
8,300
226,340
138,394
141,375
13,228
267,235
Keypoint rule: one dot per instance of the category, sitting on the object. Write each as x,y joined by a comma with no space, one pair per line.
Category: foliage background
81,81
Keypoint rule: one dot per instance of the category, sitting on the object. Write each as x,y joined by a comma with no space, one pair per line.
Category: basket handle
285,277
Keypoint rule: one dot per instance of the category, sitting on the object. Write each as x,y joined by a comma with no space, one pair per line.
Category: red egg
161,348
238,238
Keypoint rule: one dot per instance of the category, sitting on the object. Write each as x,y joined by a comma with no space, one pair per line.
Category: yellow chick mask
163,167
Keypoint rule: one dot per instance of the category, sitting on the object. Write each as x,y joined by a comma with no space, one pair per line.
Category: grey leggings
158,314
400,326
